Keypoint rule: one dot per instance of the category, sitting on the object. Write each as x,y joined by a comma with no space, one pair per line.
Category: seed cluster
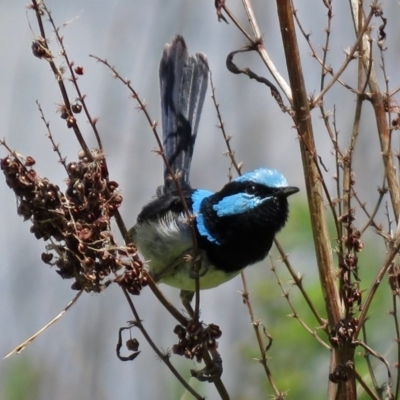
77,222
343,332
195,338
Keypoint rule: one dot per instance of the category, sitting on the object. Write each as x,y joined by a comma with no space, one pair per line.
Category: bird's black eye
251,189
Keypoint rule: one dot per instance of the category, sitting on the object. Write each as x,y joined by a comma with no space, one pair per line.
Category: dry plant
75,222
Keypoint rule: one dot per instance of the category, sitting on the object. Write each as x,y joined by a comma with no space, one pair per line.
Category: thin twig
230,152
163,357
256,325
56,147
326,69
349,57
397,330
379,357
153,125
368,361
299,283
262,50
27,342
367,389
74,78
295,315
59,78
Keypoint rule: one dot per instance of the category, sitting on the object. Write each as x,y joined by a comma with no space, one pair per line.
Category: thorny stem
326,118
299,283
245,293
230,152
397,330
259,45
368,361
58,75
153,125
74,79
237,23
302,120
325,68
207,359
378,100
371,216
349,56
392,253
379,357
325,49
50,136
311,174
338,158
367,389
286,295
142,107
261,345
164,357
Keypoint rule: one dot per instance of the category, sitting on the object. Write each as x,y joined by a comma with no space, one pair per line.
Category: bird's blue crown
264,176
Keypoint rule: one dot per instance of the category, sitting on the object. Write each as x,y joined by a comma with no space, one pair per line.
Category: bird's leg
179,261
186,297
198,270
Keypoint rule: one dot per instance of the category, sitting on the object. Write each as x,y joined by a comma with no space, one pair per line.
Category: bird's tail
183,84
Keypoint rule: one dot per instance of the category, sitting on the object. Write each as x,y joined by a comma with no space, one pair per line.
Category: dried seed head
79,70
132,344
77,221
70,121
29,161
76,108
343,332
47,257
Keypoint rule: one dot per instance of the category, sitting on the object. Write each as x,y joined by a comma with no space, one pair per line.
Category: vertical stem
378,103
302,119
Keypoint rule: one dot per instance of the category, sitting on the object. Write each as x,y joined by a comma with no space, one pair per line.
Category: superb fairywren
234,227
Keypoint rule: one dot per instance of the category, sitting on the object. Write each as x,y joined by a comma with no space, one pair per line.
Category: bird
224,231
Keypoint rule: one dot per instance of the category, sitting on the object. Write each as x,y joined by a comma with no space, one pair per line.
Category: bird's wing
165,203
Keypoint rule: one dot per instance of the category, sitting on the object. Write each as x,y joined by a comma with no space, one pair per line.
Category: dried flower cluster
76,222
195,338
343,332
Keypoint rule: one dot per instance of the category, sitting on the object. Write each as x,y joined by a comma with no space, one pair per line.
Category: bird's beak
286,191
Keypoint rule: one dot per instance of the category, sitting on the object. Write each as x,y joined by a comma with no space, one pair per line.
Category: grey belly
166,248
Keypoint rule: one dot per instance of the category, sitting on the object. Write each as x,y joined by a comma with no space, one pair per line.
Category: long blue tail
183,85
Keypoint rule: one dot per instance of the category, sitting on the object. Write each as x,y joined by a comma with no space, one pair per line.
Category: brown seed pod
79,70
76,108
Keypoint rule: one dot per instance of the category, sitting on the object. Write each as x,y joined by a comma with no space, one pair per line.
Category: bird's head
254,202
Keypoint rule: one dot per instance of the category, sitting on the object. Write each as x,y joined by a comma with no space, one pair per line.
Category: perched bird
234,227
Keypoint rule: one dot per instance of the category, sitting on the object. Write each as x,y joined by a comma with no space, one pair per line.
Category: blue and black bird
234,227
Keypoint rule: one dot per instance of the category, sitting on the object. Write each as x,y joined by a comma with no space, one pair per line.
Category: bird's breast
167,247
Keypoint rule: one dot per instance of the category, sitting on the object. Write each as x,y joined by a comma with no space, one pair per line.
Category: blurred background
76,358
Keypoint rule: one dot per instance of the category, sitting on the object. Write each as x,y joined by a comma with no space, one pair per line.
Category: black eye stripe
251,189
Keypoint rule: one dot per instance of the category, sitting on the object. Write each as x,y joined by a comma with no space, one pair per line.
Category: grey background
76,357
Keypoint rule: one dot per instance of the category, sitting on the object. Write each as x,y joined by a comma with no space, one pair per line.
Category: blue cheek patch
237,204
197,197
